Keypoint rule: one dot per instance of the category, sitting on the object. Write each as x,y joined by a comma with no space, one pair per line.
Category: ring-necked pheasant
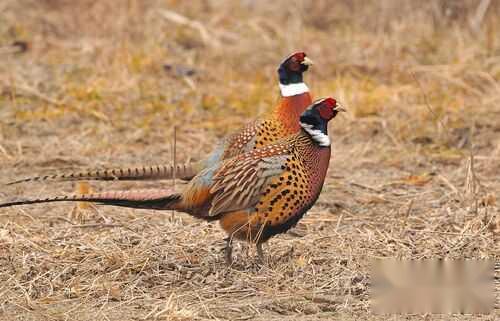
254,195
282,122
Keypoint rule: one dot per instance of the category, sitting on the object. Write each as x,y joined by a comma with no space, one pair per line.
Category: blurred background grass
104,61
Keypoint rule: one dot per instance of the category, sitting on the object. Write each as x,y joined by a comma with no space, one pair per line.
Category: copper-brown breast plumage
268,132
294,190
281,197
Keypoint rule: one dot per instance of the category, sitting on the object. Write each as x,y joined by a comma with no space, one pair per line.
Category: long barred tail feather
144,199
184,172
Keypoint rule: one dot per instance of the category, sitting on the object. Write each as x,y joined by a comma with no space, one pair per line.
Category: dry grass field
89,84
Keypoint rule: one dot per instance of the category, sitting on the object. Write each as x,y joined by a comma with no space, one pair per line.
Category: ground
90,84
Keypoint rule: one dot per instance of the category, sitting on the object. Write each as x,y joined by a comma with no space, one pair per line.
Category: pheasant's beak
339,108
307,62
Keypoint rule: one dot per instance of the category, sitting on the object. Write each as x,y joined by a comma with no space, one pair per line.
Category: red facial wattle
299,56
327,110
295,61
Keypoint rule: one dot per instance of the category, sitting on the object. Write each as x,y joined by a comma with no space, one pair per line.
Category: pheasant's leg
228,251
260,253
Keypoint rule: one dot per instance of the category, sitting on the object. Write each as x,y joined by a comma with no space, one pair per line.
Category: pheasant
254,195
282,122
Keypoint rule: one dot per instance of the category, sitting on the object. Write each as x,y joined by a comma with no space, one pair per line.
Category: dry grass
421,81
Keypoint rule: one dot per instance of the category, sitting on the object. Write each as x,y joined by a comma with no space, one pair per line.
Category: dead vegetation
87,84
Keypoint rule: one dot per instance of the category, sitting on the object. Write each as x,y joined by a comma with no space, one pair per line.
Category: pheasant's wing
240,181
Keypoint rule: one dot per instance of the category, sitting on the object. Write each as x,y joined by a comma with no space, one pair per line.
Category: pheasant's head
290,74
314,120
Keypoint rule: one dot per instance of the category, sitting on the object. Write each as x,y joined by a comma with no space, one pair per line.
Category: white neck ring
293,89
317,135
